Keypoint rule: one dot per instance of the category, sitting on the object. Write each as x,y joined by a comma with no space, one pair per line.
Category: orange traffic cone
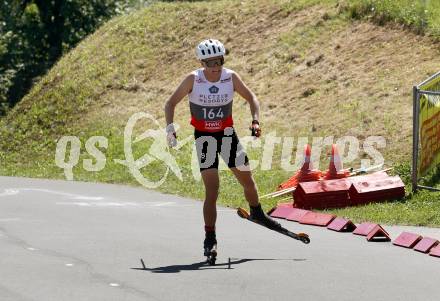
305,174
335,169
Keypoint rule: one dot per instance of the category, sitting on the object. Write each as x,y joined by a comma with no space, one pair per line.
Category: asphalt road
66,241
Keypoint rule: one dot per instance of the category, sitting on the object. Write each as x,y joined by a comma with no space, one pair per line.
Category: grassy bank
317,72
422,16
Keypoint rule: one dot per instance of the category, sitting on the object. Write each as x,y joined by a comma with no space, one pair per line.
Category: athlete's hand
171,135
172,139
255,128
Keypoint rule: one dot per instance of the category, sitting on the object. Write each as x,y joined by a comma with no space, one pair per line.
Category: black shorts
225,143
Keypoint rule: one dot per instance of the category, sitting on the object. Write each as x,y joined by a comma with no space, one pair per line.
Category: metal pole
415,138
416,120
434,93
429,79
425,17
428,188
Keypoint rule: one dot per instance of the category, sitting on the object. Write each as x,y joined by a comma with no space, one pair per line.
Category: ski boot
272,225
210,247
260,217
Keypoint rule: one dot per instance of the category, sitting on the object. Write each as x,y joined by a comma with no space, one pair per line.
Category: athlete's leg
238,162
207,148
244,177
211,180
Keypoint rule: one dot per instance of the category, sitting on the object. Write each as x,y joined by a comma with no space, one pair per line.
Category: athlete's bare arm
247,94
182,90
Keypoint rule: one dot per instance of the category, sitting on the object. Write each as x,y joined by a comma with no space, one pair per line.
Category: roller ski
210,247
259,217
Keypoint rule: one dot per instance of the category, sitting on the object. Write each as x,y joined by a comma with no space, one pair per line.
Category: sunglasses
214,62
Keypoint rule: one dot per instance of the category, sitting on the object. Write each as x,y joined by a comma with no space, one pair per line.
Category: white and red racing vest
210,103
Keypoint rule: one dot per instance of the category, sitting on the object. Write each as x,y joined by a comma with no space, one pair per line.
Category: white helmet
210,48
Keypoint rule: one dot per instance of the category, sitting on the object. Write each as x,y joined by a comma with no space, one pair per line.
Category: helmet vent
208,48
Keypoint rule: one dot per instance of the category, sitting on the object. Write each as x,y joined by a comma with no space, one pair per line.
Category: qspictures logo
69,148
158,151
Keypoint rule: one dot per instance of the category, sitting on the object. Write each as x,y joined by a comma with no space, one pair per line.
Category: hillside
316,72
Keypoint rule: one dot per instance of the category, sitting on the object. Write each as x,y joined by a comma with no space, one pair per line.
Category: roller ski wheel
298,236
304,238
211,255
243,213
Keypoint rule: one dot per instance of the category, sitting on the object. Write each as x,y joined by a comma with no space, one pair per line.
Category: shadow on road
200,266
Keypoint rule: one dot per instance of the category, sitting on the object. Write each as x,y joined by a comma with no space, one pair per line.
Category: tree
35,33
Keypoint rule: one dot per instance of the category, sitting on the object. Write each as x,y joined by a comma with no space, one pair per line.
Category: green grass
134,62
423,16
420,209
302,38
